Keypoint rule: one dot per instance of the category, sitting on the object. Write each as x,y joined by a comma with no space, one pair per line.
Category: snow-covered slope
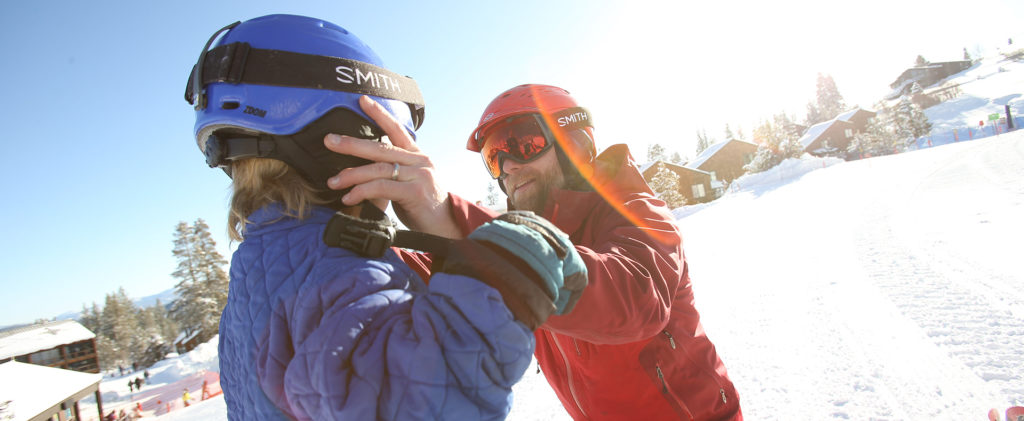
886,288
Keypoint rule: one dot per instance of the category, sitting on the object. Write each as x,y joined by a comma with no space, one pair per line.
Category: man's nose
510,166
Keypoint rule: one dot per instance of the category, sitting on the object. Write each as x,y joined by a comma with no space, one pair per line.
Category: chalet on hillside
858,117
62,344
694,185
724,161
926,75
831,138
187,341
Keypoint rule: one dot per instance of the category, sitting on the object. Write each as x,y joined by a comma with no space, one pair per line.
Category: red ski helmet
551,102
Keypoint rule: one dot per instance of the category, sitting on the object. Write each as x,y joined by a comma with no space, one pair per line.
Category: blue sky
99,163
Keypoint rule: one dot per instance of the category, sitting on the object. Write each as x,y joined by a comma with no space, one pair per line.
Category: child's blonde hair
258,182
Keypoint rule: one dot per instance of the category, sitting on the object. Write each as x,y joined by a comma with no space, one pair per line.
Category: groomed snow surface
886,288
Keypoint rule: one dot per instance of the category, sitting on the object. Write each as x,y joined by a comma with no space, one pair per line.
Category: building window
849,133
49,356
714,177
698,191
79,349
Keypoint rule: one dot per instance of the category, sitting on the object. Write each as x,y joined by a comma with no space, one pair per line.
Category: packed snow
885,288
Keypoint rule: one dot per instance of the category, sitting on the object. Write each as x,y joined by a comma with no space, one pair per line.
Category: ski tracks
963,307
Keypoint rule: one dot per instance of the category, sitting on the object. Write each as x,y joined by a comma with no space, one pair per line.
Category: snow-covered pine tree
877,139
703,142
492,195
728,133
202,286
775,144
967,56
920,61
168,327
90,317
909,122
677,159
665,184
829,101
814,115
118,338
656,152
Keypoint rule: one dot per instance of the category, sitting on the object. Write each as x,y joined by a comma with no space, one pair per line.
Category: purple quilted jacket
312,332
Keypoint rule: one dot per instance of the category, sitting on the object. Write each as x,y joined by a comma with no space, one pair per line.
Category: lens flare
604,187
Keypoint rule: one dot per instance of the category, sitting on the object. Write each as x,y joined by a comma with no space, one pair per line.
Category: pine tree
492,195
90,317
775,144
202,286
728,133
168,327
677,159
920,61
665,184
814,115
118,336
703,142
830,101
877,138
967,56
909,122
656,152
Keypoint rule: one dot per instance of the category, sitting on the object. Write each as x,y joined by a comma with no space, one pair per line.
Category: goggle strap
239,63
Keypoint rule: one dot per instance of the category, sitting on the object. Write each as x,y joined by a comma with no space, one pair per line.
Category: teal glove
545,249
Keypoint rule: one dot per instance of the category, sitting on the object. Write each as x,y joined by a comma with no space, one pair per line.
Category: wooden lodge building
62,344
724,161
694,185
926,76
832,138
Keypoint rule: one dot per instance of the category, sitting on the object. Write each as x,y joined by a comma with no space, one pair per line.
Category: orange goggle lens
521,138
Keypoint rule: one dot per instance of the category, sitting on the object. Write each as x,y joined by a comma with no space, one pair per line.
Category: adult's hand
400,173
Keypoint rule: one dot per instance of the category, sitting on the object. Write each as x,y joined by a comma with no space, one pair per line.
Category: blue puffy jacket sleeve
364,339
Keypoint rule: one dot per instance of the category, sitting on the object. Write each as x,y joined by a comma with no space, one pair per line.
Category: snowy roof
814,131
648,165
847,115
28,339
709,152
33,389
644,167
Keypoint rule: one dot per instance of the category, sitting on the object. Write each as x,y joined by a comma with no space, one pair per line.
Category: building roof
814,131
28,339
645,167
710,152
846,116
33,389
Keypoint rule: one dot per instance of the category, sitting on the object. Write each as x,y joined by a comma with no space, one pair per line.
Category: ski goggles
525,137
521,138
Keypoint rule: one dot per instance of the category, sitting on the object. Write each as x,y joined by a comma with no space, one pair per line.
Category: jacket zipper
672,342
568,374
577,345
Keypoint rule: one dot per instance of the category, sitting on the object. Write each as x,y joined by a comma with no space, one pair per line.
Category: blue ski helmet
278,74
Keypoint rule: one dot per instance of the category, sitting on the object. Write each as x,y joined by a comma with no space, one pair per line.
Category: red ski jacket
633,348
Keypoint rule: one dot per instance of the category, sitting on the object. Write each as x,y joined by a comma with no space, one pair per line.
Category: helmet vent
229,105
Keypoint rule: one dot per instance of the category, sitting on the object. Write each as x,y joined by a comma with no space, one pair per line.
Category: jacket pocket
657,360
692,388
